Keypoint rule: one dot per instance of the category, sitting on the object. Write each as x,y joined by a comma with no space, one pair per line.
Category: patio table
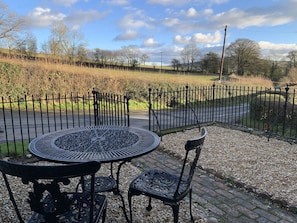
103,143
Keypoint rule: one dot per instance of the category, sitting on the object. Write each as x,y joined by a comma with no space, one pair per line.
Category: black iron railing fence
25,118
271,111
111,109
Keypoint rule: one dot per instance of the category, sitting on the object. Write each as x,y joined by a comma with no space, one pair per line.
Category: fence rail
268,110
25,118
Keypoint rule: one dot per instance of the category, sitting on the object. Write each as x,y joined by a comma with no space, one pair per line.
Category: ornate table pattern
100,143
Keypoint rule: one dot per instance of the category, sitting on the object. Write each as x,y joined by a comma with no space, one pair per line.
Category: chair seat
75,215
159,184
102,184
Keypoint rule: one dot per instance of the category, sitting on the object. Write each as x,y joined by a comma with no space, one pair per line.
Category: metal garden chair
167,187
51,202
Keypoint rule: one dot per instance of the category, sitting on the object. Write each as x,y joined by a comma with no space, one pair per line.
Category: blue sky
164,27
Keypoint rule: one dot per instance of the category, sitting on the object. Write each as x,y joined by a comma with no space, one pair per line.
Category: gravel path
268,167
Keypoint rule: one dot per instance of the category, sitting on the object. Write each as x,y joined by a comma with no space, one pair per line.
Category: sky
161,28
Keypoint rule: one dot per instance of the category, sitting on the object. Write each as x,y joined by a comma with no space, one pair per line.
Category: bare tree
190,55
81,53
64,42
31,44
10,24
244,54
144,58
97,54
130,53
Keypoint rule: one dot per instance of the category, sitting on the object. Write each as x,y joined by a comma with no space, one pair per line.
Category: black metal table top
100,143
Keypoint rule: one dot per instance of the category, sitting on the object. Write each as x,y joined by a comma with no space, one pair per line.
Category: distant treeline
90,63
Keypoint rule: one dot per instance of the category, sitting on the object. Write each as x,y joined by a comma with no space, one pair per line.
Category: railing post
95,101
150,107
213,101
285,109
187,103
128,111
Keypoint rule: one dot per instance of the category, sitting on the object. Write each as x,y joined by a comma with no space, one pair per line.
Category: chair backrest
195,146
54,175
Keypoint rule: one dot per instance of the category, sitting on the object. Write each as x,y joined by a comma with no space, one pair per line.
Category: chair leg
175,208
149,207
192,217
104,215
130,205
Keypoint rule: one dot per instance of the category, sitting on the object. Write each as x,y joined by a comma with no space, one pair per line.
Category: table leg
119,191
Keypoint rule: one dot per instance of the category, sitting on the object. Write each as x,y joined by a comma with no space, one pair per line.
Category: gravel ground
248,160
269,167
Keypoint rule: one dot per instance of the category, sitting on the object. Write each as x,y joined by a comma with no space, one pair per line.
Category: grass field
19,77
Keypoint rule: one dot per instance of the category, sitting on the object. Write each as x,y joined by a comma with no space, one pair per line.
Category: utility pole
222,58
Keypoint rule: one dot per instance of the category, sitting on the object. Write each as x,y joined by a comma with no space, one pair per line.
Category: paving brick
221,185
283,214
267,215
284,221
214,209
225,193
248,213
229,210
245,219
264,220
245,203
207,190
211,195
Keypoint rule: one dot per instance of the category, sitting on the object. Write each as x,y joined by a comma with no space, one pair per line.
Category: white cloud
191,12
129,21
128,35
169,2
276,51
150,42
43,17
277,46
171,22
80,17
208,38
242,19
181,40
199,38
66,3
117,2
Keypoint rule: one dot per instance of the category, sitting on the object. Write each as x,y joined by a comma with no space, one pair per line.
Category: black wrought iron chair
167,187
51,202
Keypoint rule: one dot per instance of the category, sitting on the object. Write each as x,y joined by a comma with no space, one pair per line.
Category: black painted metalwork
107,144
101,143
167,187
48,200
111,109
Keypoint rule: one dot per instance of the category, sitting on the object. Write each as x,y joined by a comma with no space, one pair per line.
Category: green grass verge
12,149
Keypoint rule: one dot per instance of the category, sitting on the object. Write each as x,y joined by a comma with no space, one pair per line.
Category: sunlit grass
13,149
39,78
